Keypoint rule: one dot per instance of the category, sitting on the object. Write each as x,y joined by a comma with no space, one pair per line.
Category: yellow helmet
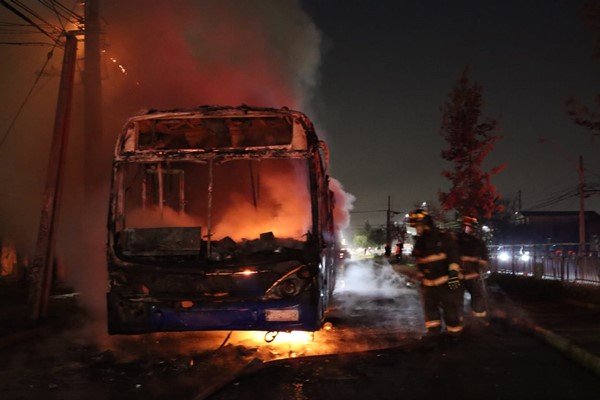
419,216
470,221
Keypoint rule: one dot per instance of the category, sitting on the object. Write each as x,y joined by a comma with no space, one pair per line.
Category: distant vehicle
344,254
221,218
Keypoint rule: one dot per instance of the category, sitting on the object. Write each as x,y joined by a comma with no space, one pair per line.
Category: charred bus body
220,218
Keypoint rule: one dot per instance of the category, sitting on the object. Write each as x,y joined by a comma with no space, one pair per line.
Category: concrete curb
565,346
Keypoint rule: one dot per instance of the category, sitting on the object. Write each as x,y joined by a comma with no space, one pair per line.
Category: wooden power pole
92,92
388,230
44,250
581,207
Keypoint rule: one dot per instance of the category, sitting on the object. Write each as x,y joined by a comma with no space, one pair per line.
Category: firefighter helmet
470,221
419,216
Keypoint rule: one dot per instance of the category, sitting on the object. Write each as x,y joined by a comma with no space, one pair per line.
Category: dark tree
590,14
578,112
469,141
583,116
368,236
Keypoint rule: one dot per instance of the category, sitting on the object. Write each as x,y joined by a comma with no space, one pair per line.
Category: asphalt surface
537,346
505,364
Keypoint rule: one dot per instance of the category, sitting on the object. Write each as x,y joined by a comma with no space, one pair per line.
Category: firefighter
399,247
474,259
437,258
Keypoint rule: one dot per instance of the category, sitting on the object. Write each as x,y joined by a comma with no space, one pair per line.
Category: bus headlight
290,285
289,288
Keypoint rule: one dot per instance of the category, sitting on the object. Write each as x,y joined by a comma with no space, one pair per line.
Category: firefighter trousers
476,290
441,302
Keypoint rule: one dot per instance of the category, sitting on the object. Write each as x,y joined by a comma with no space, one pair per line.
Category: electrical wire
14,28
55,36
31,11
35,20
53,4
552,201
37,79
59,17
70,16
29,20
27,44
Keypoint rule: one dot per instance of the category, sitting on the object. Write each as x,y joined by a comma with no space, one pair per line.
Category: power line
29,20
55,36
35,20
37,79
53,4
15,28
549,202
31,11
27,43
72,17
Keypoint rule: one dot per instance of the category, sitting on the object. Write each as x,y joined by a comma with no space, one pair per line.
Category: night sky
371,75
388,66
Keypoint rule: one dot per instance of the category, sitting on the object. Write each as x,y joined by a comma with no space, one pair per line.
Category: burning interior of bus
220,218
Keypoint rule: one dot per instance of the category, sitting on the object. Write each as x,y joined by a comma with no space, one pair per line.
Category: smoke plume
156,54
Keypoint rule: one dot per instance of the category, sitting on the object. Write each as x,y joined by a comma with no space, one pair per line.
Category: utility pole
388,230
92,89
581,207
44,250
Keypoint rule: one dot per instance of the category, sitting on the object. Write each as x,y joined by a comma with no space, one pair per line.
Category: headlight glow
290,285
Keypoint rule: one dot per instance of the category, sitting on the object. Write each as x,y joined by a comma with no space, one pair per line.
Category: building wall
560,227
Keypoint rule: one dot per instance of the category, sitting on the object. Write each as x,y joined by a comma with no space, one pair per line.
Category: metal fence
559,261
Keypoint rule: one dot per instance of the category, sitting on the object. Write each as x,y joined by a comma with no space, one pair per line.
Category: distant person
474,259
437,258
388,250
399,249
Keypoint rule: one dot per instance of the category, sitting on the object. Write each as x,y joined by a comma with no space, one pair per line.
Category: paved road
500,364
373,351
535,348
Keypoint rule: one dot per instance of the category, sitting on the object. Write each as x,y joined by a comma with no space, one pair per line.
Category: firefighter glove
453,280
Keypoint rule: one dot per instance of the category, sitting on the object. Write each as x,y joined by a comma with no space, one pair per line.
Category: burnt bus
220,218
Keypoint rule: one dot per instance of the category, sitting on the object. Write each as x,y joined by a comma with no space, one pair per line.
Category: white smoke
370,278
156,54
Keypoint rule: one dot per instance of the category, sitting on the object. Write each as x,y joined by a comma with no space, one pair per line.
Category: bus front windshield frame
190,207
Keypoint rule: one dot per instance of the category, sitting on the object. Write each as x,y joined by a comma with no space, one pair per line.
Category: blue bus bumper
132,316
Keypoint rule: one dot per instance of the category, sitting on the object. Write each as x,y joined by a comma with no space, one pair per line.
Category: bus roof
213,127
